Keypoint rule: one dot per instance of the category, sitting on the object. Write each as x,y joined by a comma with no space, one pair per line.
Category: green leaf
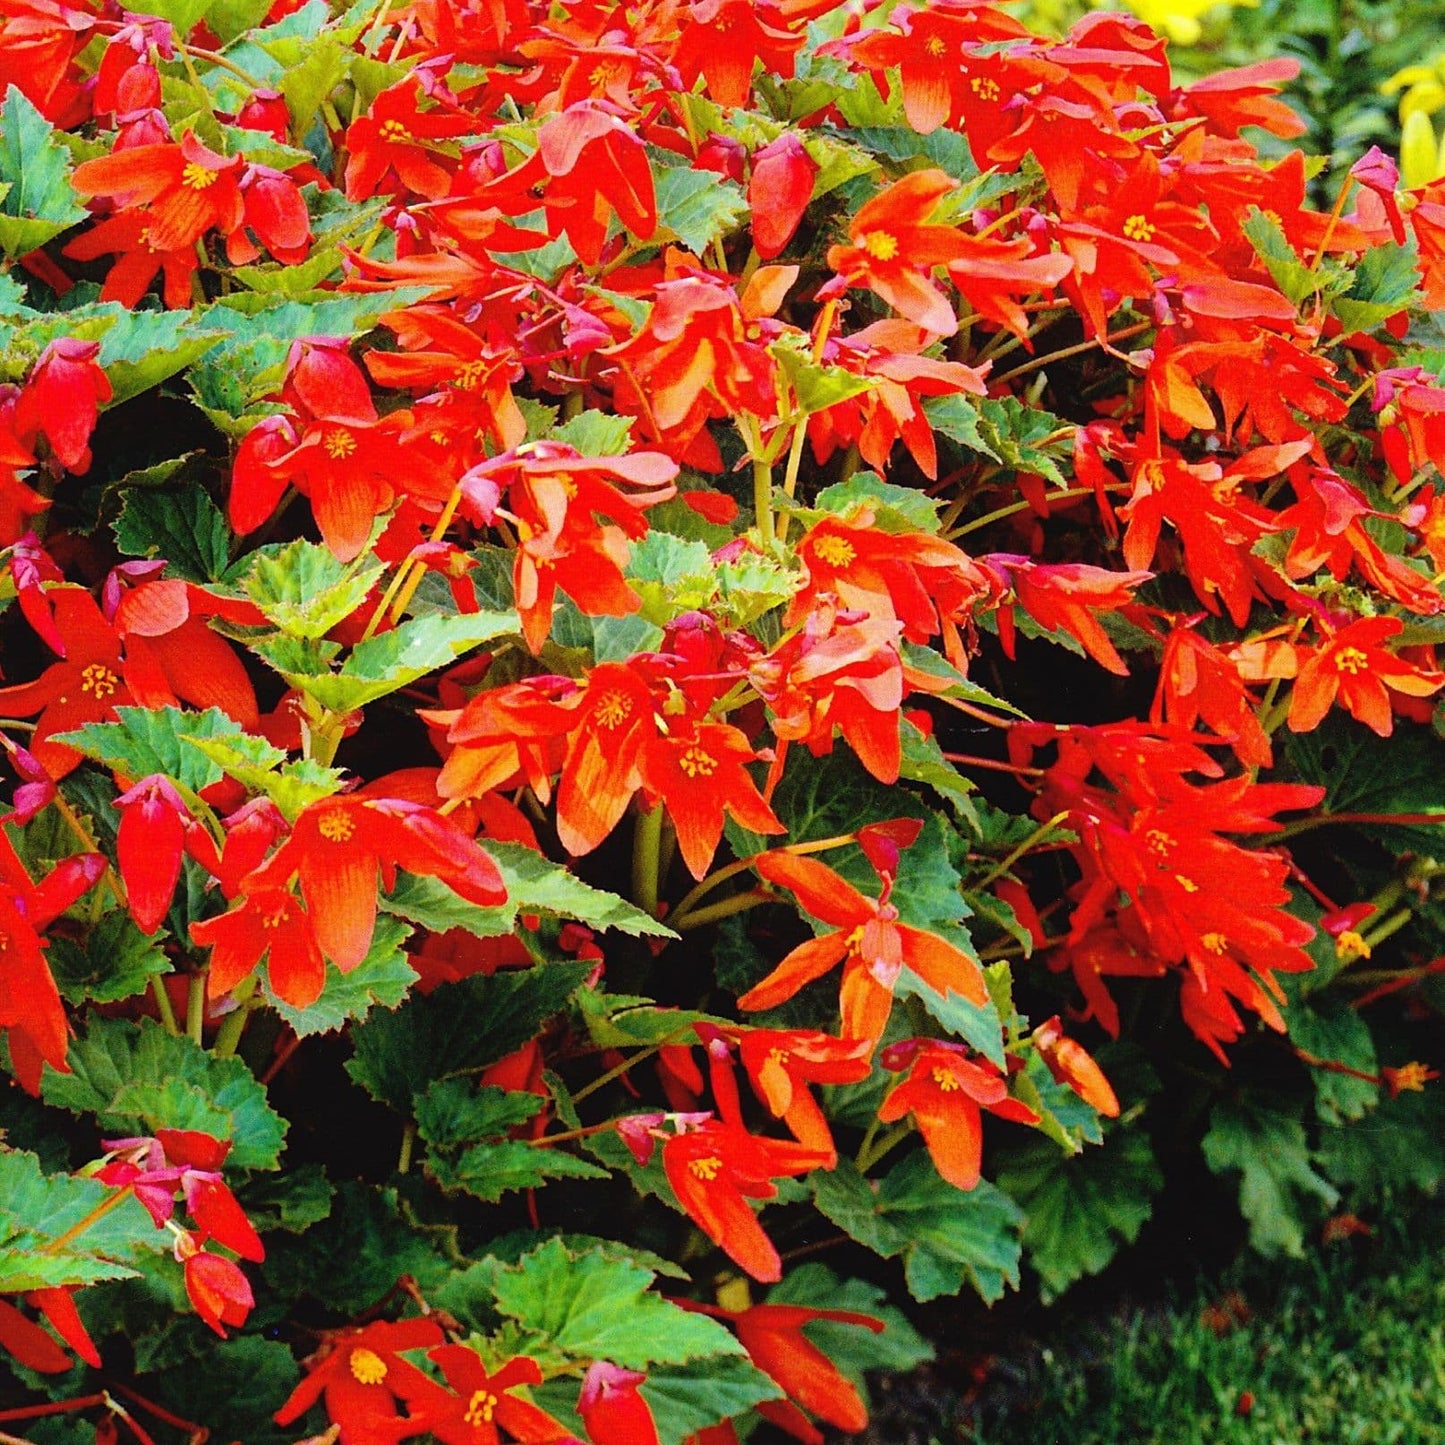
945,1236
1361,776
1082,1208
853,1348
1025,438
596,433
263,768
628,1022
114,1056
923,762
1385,283
181,524
1330,1030
457,1028
815,386
154,740
687,1399
976,1024
455,1111
895,509
183,14
305,591
355,1255
392,660
696,207
492,1169
957,418
144,348
115,961
433,905
535,884
383,977
1296,281
1401,1148
36,1209
595,1306
38,202
293,1200
671,575
1269,1149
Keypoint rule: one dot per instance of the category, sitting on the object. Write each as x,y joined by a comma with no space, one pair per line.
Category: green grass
1346,1347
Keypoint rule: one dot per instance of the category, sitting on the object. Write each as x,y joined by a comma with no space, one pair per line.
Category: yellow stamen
881,245
367,1367
696,763
336,826
705,1169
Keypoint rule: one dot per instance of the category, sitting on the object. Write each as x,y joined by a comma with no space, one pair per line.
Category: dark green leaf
1268,1147
456,1111
115,961
686,1399
1331,1031
499,1167
1082,1208
181,524
458,1028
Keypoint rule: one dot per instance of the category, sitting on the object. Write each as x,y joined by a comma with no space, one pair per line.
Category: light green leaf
895,508
305,591
815,386
263,768
594,1306
37,1209
39,202
383,977
686,1399
596,433
154,740
696,207
114,1055
144,348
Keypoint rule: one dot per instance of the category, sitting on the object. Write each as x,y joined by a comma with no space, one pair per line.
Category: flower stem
408,1143
738,903
163,1005
873,1149
646,859
228,1036
1038,835
196,1007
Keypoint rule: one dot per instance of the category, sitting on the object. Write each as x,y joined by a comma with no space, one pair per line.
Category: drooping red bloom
1200,682
722,39
362,1377
870,942
612,1407
61,400
773,1336
398,146
30,1006
1070,1063
480,1405
1355,669
714,1168
216,1286
149,844
945,1091
892,249
338,845
779,189
268,923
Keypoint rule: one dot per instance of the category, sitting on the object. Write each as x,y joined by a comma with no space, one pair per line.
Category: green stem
228,1036
1013,509
877,1149
196,1007
602,1080
763,501
163,1005
81,1225
738,903
646,859
1039,833
408,1143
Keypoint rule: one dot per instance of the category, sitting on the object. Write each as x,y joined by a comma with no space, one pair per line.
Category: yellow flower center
935,46
336,826
339,443
1214,942
613,709
705,1169
780,1057
945,1080
367,1367
835,551
394,131
1350,945
1412,1077
881,245
984,88
1139,228
480,1408
197,177
1352,661
696,763
470,376
1159,843
99,681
